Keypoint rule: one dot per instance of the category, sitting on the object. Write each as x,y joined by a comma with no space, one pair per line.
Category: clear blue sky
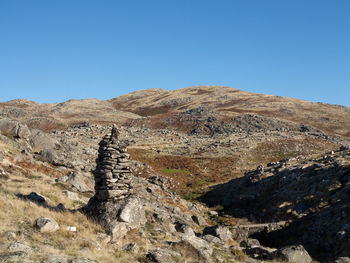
52,51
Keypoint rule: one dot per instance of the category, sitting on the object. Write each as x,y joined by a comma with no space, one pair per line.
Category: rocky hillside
180,184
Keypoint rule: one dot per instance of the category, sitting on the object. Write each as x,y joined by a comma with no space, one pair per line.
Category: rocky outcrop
308,197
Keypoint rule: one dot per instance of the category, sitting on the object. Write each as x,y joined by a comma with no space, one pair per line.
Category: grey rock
200,245
199,220
295,254
50,156
14,128
76,180
250,242
9,235
15,257
70,195
55,259
163,255
46,224
212,239
119,230
342,260
131,247
16,246
133,213
40,140
219,231
83,260
261,252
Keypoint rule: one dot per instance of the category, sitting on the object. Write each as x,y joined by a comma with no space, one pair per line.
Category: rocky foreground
272,187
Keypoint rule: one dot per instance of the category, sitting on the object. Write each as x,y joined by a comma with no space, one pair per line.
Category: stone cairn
113,177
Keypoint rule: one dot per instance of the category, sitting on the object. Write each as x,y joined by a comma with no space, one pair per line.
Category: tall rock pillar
112,175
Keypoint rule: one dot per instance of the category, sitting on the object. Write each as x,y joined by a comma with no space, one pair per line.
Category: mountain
210,167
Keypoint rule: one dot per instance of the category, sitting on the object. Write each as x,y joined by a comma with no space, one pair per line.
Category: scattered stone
15,257
250,242
213,213
131,247
16,246
55,259
199,220
163,255
46,224
70,195
76,180
200,245
212,239
219,231
261,252
9,235
83,260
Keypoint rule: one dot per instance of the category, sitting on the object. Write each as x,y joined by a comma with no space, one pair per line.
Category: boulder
212,239
163,255
76,180
46,224
40,140
16,246
119,230
15,257
261,252
14,128
131,247
199,220
9,235
55,259
50,156
133,213
250,242
219,231
295,254
200,245
36,197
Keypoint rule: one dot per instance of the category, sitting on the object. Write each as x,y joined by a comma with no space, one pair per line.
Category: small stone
71,228
10,235
131,247
55,259
70,195
16,246
46,224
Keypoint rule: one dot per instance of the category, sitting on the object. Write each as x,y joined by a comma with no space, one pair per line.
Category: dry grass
19,216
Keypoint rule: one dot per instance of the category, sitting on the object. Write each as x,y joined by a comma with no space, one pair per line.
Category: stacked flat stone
113,177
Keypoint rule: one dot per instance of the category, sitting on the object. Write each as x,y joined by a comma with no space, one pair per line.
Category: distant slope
227,103
157,108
